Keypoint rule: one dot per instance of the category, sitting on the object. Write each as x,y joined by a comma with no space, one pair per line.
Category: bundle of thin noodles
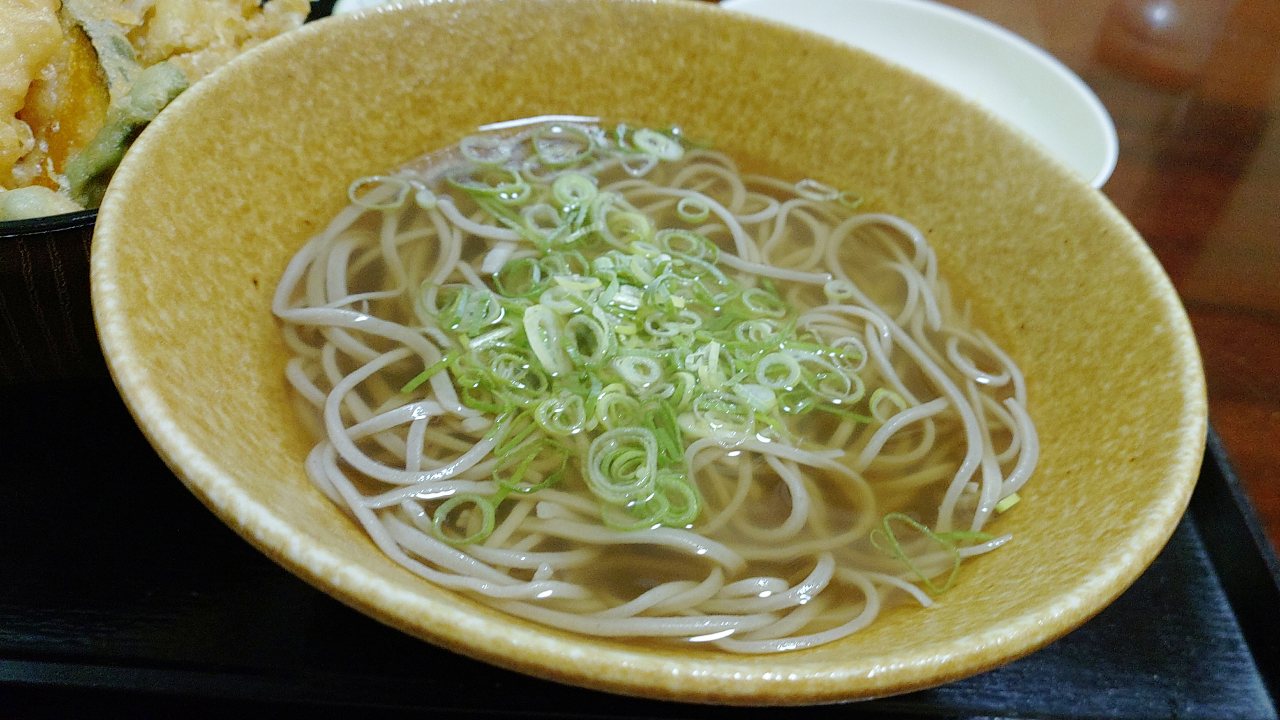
600,378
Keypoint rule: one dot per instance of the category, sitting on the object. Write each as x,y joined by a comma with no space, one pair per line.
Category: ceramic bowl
225,186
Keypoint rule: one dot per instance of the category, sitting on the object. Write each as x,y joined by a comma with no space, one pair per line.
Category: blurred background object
1164,42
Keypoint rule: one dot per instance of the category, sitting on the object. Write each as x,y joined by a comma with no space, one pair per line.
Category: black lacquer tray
122,596
121,593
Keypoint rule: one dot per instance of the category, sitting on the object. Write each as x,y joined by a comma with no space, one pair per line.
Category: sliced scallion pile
609,330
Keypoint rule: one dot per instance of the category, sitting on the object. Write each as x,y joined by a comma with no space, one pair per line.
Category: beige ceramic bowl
232,178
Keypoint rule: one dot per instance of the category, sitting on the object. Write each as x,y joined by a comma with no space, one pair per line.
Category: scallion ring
476,525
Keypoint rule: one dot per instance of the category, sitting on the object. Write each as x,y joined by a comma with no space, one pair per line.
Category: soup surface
599,377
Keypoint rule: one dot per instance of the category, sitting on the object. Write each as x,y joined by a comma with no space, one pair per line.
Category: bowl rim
31,228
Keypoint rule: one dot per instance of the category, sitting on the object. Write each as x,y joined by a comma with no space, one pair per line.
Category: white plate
346,6
1001,71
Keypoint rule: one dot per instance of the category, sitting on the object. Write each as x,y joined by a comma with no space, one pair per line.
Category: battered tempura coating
67,68
29,38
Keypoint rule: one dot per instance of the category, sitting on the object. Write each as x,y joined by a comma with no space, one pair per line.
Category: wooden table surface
1194,89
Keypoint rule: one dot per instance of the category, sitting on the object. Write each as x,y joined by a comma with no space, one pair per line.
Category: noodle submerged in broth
598,377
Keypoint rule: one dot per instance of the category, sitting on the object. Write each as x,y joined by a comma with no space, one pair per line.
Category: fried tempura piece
200,35
29,37
66,105
69,70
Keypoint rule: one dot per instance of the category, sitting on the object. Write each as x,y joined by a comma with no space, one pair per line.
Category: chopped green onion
588,342
622,465
693,210
687,244
519,278
617,409
620,227
762,302
429,372
516,428
779,371
657,144
564,414
878,399
638,370
543,330
573,189
597,338
885,540
682,499
1007,502
482,509
491,182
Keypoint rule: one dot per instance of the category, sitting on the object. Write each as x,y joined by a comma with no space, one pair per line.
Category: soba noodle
601,379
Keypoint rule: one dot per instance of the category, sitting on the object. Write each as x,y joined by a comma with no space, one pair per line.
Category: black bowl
46,322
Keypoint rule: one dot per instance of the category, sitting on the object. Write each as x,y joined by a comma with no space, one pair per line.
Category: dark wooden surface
208,627
1194,89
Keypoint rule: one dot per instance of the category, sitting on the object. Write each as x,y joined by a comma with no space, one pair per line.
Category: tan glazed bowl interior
225,186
